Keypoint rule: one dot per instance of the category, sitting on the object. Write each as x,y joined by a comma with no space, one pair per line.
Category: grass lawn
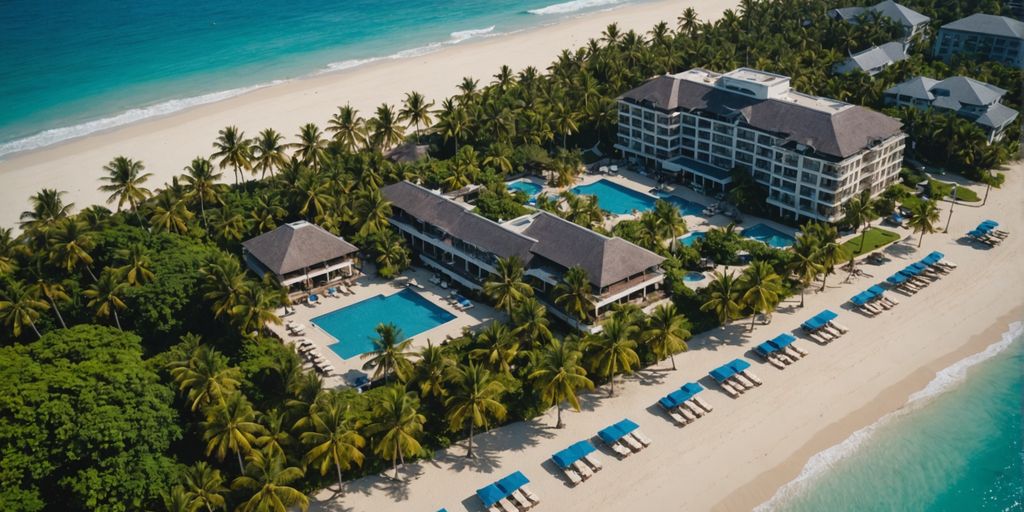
963,194
875,238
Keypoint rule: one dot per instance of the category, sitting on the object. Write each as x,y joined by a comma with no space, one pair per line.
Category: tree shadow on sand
734,334
488,446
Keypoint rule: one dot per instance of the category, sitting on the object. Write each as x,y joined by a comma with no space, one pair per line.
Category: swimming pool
354,326
529,188
620,200
693,277
769,235
690,238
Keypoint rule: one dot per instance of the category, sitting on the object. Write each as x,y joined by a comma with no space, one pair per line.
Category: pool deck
367,286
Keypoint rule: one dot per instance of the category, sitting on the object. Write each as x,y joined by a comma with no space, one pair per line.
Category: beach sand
167,144
739,455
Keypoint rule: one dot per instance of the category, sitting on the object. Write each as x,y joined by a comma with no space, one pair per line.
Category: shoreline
891,400
165,144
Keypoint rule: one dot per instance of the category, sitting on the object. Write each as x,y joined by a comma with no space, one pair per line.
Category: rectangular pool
354,326
620,200
769,235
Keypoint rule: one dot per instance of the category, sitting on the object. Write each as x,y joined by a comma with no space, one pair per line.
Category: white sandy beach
739,455
169,143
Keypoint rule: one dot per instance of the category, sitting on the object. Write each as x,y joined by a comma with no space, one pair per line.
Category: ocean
957,446
73,67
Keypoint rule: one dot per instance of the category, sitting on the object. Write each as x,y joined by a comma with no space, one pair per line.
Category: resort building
983,36
464,248
300,255
969,98
811,153
913,22
873,60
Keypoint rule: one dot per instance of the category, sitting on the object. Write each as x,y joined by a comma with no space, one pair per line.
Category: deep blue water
769,235
620,200
355,326
70,67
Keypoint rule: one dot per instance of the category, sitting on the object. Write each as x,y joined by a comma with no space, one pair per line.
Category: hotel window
703,135
745,134
764,140
704,123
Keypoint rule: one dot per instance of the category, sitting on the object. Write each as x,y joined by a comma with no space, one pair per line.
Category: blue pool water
527,187
74,67
619,200
690,238
354,326
693,277
769,235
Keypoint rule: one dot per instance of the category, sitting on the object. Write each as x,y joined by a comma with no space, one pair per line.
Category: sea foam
943,381
576,5
453,38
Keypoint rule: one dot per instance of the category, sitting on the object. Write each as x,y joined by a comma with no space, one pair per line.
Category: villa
464,248
812,153
873,60
912,21
968,98
300,255
984,36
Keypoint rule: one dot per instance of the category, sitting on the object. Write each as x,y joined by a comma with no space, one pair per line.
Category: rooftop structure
465,247
299,252
873,60
913,22
985,36
812,153
969,98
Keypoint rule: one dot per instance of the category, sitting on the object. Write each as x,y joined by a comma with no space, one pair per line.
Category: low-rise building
982,36
465,247
811,153
873,60
978,101
912,21
300,255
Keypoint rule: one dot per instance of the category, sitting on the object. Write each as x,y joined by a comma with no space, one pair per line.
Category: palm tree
396,416
348,128
507,287
804,264
47,208
8,246
385,129
390,355
177,499
688,22
613,350
392,255
859,211
499,348
761,289
574,295
671,223
531,322
559,375
724,299
335,440
223,284
269,478
373,211
311,147
475,401
19,307
70,246
206,485
924,218
50,288
666,332
432,370
170,214
136,270
256,308
205,377
416,111
499,156
230,426
201,182
233,149
105,296
830,252
564,119
268,152
125,179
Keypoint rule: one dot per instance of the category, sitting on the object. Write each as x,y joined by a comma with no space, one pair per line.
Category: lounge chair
798,349
632,444
507,506
684,412
572,475
620,449
530,495
754,378
729,390
494,508
776,361
520,499
818,337
582,469
781,356
831,331
327,369
306,349
593,462
842,328
693,408
794,353
676,417
744,381
948,264
640,436
702,403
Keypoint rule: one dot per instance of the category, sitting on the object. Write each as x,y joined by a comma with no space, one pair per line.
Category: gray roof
457,221
918,87
998,115
847,13
874,58
296,246
989,24
606,260
968,90
839,134
899,13
408,152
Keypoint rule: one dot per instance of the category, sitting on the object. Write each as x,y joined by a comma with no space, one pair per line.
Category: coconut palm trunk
558,408
241,467
338,469
470,452
56,310
117,320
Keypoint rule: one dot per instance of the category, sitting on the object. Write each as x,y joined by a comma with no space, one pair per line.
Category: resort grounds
736,457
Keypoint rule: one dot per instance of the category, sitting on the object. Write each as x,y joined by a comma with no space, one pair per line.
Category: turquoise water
620,200
527,187
693,277
957,448
73,67
691,238
769,235
354,326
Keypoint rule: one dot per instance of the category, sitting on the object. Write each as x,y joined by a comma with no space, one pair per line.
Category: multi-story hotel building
812,153
982,36
465,247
